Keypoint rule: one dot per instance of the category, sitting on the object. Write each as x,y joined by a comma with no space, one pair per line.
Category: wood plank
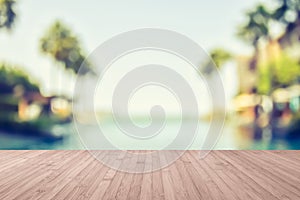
275,176
220,175
124,188
221,168
135,187
260,176
157,186
245,176
146,190
223,186
213,191
24,179
116,180
113,158
186,178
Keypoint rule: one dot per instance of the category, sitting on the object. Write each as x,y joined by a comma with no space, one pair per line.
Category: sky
209,23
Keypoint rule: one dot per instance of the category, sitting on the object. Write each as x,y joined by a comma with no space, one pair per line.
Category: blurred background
255,44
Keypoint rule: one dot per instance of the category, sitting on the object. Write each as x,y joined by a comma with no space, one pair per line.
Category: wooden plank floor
221,175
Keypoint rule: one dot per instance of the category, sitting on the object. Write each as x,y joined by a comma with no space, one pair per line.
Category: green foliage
257,25
278,73
283,71
220,56
62,45
285,11
10,77
286,71
7,13
264,84
288,14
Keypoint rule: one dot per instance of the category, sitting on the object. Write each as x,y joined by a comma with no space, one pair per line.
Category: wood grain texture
220,175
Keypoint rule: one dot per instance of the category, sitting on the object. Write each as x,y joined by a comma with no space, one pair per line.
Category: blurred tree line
7,13
284,70
23,108
63,46
59,42
12,77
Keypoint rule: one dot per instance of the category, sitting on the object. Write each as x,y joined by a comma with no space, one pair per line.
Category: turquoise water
231,138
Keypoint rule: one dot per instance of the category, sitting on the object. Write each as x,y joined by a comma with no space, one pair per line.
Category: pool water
231,138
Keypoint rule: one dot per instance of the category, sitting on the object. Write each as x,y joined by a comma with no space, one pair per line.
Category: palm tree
62,45
7,13
288,14
256,29
259,27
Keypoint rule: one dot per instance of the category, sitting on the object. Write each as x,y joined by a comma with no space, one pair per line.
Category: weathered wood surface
220,175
